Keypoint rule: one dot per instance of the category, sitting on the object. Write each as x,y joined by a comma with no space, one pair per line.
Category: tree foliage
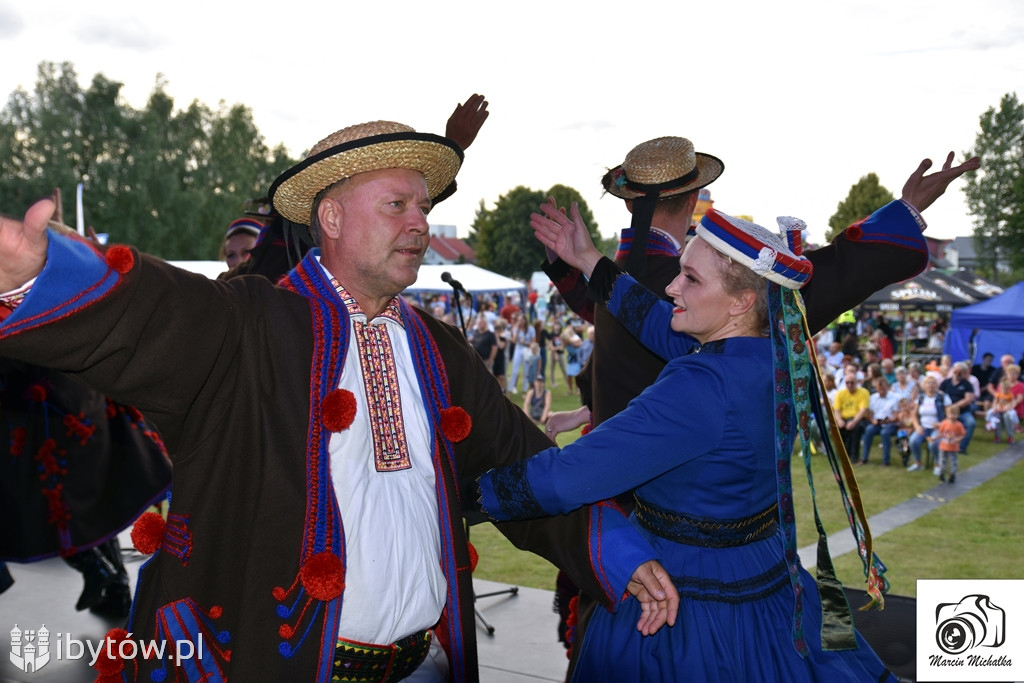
167,181
995,193
503,238
866,196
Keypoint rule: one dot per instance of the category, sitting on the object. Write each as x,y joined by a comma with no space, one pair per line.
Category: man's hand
23,245
659,600
466,121
921,191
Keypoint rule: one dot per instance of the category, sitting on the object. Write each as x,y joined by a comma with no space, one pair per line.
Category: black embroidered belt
707,532
356,662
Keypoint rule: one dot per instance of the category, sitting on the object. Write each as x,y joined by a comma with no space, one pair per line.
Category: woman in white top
931,410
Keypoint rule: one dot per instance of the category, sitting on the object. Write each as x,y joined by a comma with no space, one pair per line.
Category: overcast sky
800,99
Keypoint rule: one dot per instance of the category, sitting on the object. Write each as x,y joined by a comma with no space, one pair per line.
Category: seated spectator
931,410
834,357
537,402
851,411
889,370
904,387
882,419
1002,416
984,372
1005,361
961,393
914,372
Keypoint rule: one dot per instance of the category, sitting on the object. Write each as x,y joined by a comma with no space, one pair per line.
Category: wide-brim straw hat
766,253
666,166
365,147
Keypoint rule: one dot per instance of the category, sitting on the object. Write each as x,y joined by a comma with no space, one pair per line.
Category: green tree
866,196
995,193
167,181
503,238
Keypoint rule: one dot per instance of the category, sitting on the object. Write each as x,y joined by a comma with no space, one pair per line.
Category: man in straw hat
660,180
323,448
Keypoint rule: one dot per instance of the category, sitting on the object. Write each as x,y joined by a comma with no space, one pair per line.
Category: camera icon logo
972,622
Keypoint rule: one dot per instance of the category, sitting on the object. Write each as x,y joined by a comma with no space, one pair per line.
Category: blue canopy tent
996,325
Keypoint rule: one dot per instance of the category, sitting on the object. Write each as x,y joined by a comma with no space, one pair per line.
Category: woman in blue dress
706,450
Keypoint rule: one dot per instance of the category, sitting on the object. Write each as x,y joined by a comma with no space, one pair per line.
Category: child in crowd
531,365
905,418
949,434
1002,416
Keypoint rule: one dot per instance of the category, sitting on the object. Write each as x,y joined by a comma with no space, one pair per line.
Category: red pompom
285,631
37,393
854,232
323,576
105,664
279,593
216,611
148,532
474,557
120,259
455,423
338,409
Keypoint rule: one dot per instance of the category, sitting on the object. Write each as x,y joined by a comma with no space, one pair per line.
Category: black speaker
891,633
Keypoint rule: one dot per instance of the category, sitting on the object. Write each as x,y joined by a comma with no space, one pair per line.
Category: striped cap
764,252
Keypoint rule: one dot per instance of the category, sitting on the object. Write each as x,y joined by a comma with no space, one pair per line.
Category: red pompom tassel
121,259
106,665
323,576
37,393
854,232
338,409
148,532
474,557
455,423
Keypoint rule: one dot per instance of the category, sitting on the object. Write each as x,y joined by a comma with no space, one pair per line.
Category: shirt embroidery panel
380,382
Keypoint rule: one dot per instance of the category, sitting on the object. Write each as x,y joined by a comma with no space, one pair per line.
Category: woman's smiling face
702,304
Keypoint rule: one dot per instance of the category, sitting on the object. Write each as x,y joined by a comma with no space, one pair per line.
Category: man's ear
331,213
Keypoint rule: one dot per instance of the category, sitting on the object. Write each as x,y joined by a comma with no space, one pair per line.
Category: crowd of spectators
873,394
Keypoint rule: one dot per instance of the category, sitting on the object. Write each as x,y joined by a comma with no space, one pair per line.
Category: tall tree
168,181
503,238
995,193
866,196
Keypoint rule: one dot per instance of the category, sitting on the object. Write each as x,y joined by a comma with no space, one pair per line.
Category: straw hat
764,252
668,166
361,148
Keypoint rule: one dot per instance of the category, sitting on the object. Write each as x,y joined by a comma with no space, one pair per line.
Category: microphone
455,284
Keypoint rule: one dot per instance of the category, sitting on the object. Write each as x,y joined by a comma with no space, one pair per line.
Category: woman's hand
568,239
921,191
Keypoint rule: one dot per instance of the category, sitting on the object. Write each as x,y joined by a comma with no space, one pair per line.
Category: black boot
6,580
98,574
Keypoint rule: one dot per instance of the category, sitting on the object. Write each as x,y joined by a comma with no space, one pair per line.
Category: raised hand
659,599
466,121
23,245
566,237
921,191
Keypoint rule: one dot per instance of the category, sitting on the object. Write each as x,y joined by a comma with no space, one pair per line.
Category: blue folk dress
697,447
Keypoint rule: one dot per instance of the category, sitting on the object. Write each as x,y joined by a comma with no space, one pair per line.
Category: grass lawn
977,535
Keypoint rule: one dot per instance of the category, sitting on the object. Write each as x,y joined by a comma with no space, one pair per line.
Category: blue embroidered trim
636,303
514,493
762,585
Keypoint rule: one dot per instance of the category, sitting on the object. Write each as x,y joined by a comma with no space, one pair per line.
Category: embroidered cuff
506,494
